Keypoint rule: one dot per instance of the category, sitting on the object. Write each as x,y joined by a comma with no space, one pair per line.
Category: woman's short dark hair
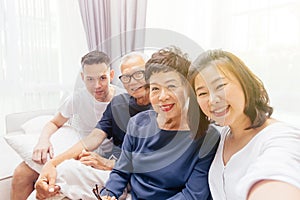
173,59
167,59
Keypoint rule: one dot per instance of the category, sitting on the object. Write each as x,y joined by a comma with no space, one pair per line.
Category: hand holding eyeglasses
97,192
108,198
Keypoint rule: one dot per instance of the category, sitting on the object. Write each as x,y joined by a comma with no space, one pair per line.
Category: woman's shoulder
143,123
144,118
278,128
277,135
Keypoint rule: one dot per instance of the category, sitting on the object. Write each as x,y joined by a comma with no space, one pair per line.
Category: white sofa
21,138
9,158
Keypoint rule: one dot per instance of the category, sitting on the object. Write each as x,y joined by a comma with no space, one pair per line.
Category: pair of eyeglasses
96,192
138,75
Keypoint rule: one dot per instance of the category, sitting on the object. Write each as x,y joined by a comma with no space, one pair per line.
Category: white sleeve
67,107
278,159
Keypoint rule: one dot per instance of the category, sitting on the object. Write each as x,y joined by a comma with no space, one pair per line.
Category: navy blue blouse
163,164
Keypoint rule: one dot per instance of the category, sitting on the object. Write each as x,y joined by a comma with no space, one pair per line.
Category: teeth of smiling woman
166,107
220,110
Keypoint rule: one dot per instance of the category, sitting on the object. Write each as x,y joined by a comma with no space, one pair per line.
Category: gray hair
134,54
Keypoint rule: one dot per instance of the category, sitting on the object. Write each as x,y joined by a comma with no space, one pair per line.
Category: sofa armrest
14,121
10,159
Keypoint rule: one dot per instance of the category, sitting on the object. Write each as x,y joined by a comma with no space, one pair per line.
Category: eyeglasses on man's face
138,75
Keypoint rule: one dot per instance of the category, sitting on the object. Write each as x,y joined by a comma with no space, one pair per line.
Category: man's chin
99,97
138,95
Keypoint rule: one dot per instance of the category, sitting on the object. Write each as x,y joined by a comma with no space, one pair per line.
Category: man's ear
82,76
112,74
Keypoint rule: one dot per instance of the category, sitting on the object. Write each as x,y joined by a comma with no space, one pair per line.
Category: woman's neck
176,123
238,127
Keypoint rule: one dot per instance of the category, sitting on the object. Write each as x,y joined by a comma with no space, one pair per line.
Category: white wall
41,45
263,33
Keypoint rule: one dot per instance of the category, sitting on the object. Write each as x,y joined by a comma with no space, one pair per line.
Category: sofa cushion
36,124
23,144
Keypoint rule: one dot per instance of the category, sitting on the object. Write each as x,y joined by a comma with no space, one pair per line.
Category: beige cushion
23,144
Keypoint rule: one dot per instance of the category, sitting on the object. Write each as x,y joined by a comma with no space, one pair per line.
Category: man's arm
45,185
89,143
44,146
96,161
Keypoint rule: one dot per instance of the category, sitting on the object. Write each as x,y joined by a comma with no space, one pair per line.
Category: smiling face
96,78
168,95
220,97
135,88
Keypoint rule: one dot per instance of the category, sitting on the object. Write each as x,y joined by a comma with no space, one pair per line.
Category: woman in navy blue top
166,151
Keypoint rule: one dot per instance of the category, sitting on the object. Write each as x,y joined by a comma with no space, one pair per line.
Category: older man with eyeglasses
74,178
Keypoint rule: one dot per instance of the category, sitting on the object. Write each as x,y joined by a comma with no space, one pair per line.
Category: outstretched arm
275,190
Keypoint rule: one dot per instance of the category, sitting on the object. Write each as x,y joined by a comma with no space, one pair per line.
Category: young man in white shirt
74,178
82,109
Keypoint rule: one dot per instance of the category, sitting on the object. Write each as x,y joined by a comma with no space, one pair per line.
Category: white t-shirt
84,111
274,153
